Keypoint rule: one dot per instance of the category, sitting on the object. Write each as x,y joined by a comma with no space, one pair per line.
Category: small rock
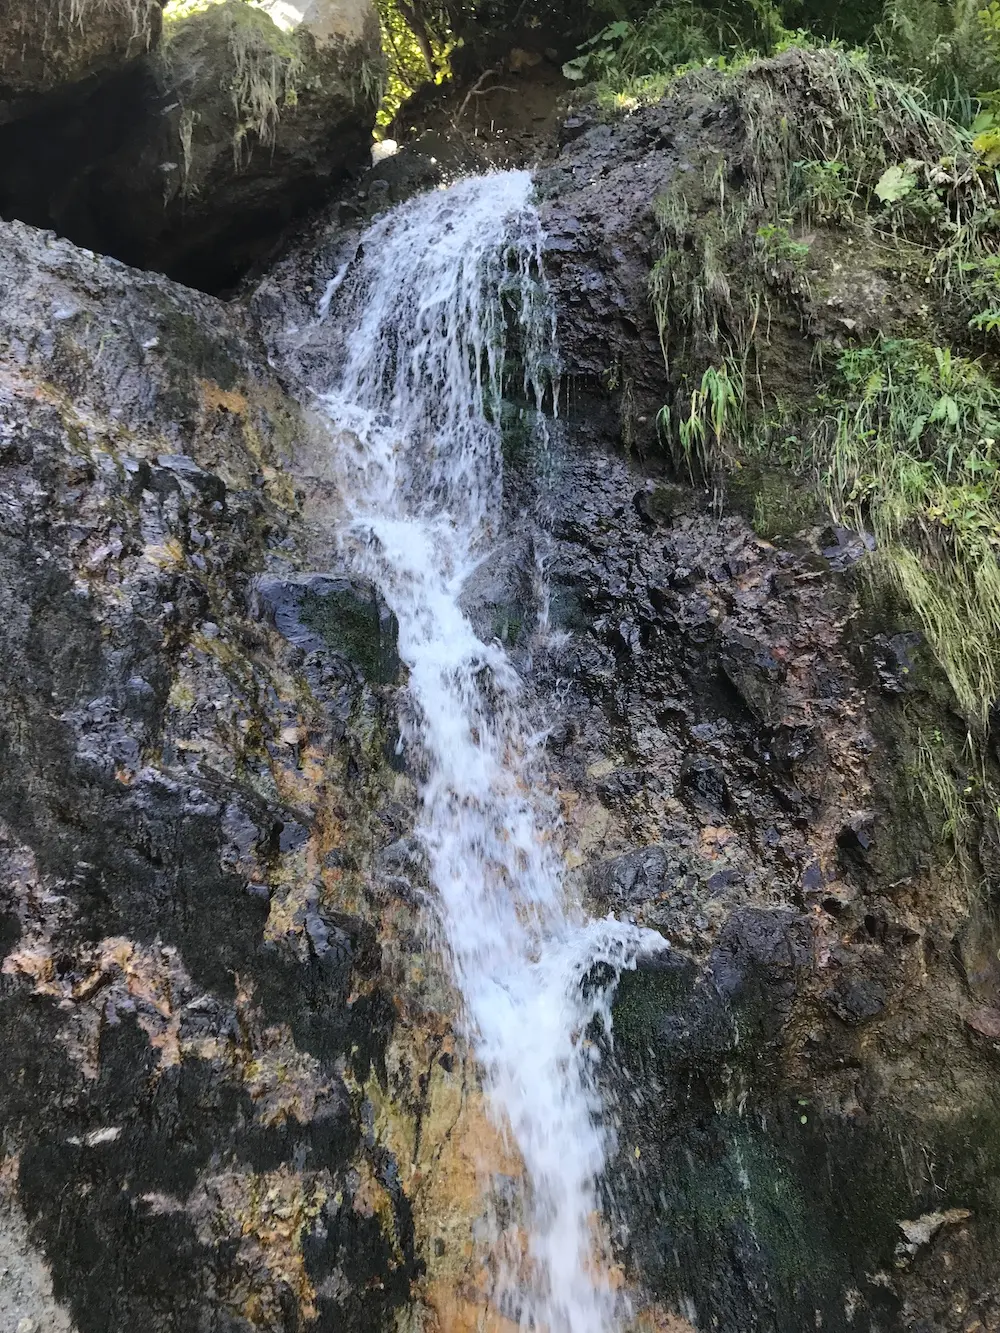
923,1229
986,1022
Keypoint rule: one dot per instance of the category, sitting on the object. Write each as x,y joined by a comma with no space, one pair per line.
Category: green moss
355,628
732,1160
265,64
778,504
913,456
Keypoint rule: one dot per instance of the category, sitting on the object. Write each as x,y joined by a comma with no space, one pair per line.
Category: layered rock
805,1090
191,1000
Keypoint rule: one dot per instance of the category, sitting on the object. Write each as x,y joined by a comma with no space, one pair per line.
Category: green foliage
914,458
944,787
776,246
417,40
624,54
823,189
906,436
714,409
950,48
636,57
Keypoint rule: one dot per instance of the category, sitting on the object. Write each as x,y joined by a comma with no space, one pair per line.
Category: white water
423,315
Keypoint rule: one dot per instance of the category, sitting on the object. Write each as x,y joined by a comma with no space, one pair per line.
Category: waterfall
423,318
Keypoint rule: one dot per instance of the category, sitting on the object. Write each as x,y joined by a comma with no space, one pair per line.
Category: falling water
424,315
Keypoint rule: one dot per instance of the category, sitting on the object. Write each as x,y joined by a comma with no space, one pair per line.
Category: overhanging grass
914,457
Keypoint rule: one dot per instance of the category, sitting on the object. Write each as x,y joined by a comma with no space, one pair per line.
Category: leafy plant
776,245
895,183
823,189
418,41
914,458
714,408
623,53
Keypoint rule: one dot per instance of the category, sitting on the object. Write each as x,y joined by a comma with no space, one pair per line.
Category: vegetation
827,293
418,40
913,455
903,427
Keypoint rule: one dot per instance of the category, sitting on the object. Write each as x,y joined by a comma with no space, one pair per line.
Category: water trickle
440,292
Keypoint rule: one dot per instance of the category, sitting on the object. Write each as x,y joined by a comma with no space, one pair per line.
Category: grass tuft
914,457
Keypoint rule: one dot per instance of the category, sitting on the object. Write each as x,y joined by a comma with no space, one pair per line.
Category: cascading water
422,316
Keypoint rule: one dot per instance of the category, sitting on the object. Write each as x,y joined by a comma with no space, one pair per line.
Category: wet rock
894,661
345,616
186,982
756,675
704,783
856,839
635,877
856,999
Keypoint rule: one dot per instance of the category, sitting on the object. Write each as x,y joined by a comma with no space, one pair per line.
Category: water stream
445,291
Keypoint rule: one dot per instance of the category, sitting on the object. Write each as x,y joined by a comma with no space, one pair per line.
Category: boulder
45,44
195,158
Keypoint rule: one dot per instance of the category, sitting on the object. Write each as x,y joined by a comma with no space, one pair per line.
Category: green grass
905,436
951,49
945,788
914,458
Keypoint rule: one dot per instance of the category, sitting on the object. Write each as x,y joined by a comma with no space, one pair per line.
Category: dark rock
986,1022
345,616
856,999
704,783
633,878
755,674
856,839
49,44
180,1001
195,157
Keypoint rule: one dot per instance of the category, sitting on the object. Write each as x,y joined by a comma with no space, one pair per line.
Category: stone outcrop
191,997
46,45
231,1093
193,158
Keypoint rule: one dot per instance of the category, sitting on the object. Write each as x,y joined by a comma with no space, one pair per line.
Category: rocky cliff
233,1096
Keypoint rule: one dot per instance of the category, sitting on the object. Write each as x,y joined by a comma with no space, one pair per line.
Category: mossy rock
193,156
46,45
343,616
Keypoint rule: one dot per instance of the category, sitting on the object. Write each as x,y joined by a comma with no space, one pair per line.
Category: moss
266,65
194,352
355,628
777,503
642,998
748,1196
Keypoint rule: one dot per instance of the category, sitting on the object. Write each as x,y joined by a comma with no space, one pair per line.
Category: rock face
806,1089
48,44
231,1094
193,159
191,1001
